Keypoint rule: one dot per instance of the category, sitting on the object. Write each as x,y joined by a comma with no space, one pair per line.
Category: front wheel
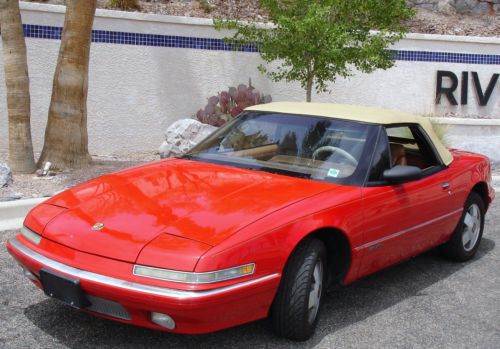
466,238
298,301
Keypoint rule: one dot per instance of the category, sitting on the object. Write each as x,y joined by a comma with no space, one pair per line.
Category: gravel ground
431,22
426,302
425,21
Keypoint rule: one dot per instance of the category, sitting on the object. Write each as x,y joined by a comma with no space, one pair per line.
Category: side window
410,147
381,159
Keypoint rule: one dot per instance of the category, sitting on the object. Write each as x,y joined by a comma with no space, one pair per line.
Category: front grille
107,307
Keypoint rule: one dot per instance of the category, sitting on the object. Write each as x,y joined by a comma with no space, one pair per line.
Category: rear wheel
466,238
298,301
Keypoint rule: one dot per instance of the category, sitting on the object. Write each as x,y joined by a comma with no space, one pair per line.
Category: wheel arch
481,188
338,250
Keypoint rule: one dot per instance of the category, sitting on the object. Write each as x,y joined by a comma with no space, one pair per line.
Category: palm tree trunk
21,158
66,138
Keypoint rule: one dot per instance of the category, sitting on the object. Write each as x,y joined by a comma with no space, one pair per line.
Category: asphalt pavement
426,302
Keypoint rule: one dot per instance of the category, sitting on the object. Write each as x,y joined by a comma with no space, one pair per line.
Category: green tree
315,41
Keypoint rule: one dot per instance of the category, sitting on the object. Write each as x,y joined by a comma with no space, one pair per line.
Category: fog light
163,320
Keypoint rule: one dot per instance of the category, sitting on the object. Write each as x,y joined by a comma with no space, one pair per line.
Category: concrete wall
137,90
479,135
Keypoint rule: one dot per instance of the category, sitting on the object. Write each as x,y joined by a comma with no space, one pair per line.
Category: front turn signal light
194,278
31,235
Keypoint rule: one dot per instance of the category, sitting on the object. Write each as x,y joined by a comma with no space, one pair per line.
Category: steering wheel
332,149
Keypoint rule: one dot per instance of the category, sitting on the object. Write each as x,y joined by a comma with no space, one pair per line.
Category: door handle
446,187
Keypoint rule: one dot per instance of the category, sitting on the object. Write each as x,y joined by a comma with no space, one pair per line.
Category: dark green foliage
315,41
124,4
205,6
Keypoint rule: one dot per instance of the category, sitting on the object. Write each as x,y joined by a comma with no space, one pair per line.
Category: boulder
490,7
5,175
183,135
446,6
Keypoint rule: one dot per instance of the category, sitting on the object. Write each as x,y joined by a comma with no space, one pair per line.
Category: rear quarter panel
468,170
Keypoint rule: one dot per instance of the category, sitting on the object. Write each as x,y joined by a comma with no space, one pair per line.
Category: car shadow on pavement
342,308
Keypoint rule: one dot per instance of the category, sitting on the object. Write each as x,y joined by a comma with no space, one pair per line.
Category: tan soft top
371,115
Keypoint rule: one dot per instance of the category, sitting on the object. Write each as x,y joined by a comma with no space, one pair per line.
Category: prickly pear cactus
229,104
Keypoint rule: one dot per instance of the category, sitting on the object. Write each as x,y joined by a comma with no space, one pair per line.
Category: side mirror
401,174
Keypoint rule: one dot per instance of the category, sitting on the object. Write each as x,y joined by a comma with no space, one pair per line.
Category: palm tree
66,138
21,158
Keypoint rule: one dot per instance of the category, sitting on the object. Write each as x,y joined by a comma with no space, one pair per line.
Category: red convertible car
279,205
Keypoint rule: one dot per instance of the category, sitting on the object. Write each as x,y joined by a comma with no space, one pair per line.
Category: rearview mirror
401,174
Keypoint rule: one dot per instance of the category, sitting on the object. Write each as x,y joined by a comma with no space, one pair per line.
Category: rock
446,6
182,135
490,7
477,6
46,168
5,175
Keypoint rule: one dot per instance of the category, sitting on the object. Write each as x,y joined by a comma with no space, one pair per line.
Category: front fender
269,242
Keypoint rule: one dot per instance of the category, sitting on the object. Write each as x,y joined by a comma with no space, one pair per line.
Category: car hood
193,200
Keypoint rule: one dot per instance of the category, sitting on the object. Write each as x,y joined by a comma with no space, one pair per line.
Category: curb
13,212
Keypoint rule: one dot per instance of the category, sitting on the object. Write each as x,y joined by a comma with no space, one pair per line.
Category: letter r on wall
447,91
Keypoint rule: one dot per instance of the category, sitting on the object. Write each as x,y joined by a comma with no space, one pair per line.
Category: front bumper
193,311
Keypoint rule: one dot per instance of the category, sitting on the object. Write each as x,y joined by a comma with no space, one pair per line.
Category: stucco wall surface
137,91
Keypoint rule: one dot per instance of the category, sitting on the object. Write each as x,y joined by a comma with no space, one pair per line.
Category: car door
402,220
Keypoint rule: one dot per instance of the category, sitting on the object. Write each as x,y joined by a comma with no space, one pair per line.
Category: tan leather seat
398,154
257,152
345,170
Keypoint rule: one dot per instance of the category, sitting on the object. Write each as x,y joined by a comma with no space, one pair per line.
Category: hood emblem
98,226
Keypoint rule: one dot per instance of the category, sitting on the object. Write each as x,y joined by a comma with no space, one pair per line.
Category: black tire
291,315
456,249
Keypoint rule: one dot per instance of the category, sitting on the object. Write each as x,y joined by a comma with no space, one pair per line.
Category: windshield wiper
185,157
286,173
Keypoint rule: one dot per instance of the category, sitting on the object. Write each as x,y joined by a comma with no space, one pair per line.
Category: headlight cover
194,278
31,235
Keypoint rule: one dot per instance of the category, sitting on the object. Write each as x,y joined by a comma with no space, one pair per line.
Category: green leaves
315,41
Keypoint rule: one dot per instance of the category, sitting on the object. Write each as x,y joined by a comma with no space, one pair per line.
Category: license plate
63,288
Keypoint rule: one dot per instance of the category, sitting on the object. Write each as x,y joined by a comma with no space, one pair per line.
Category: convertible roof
371,115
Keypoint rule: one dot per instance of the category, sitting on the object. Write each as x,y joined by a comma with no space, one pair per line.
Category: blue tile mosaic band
140,39
449,57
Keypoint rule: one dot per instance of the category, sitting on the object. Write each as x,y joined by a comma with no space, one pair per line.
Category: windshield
313,147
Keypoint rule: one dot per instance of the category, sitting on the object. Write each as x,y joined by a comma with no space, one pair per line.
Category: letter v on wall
484,97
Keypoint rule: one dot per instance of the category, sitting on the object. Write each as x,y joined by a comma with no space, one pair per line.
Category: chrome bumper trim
133,286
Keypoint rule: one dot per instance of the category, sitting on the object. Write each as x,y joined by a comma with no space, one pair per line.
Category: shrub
440,130
205,6
124,4
229,104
